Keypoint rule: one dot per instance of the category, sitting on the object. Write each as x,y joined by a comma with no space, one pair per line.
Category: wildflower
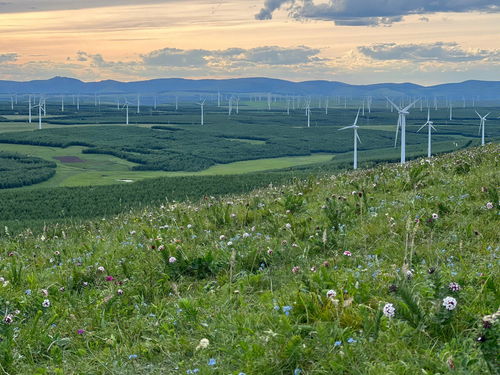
337,343
101,269
45,292
57,253
435,216
489,205
347,253
172,260
326,264
27,292
119,292
295,269
269,251
288,226
8,319
212,362
80,331
85,283
132,356
222,237
297,371
245,235
450,303
389,310
331,293
287,309
350,340
45,303
62,289
203,344
454,287
109,278
313,269
161,247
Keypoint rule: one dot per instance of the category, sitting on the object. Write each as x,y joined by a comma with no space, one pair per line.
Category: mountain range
64,85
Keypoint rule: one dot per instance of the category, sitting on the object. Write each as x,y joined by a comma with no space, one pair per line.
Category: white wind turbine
126,109
202,105
29,115
356,138
41,107
481,125
308,112
402,124
430,127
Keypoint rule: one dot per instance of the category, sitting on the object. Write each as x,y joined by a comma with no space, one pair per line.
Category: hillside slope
392,270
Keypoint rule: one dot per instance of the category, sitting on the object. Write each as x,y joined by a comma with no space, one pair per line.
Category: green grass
106,169
252,273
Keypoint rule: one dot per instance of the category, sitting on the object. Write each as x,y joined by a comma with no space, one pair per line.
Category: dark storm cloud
372,12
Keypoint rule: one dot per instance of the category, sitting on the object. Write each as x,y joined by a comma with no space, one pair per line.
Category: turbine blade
410,105
397,131
394,105
428,114
423,126
359,139
433,127
356,121
347,127
478,114
487,115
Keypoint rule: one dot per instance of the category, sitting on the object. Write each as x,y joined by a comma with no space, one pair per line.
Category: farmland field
170,143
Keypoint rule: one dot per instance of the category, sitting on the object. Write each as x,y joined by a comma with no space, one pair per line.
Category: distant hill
64,85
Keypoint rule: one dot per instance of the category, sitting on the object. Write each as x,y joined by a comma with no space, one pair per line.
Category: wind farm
275,187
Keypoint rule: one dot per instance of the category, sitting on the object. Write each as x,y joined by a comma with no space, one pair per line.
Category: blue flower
277,308
27,292
212,362
297,371
350,340
132,356
286,310
338,343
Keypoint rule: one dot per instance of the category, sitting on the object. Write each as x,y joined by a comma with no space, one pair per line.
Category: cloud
8,57
372,12
21,6
232,57
439,51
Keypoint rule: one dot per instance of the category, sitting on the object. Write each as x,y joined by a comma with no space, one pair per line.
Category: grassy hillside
392,270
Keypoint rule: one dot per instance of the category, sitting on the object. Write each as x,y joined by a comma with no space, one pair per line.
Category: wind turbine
308,112
402,124
126,107
138,103
430,127
481,126
62,103
41,107
356,138
29,115
202,104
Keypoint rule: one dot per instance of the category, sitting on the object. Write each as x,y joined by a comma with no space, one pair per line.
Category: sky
353,41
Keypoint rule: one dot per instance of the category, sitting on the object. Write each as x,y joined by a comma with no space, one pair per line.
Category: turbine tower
126,109
29,115
308,112
402,124
202,105
481,126
430,127
41,107
356,138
